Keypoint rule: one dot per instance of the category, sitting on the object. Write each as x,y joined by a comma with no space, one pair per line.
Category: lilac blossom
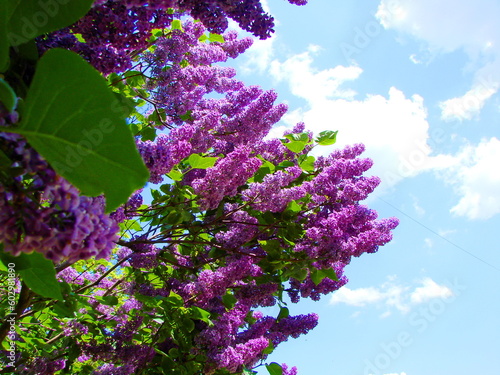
50,216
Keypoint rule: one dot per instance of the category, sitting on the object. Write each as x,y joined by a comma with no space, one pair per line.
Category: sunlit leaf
274,369
31,18
75,122
327,137
201,162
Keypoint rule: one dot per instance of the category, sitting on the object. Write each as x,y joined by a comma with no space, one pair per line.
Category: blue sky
417,82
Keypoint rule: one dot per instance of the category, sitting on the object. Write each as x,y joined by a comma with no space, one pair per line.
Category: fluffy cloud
470,104
259,55
429,290
393,127
428,242
446,26
314,85
357,297
391,295
476,181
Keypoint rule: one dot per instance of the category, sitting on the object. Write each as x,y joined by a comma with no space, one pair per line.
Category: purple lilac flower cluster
42,366
339,227
112,32
182,71
122,359
47,214
219,126
225,177
115,31
272,194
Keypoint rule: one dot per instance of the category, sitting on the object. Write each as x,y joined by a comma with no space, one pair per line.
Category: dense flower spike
49,216
115,31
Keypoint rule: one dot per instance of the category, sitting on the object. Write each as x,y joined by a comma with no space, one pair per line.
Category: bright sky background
417,82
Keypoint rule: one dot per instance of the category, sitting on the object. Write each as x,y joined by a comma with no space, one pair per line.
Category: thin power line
437,234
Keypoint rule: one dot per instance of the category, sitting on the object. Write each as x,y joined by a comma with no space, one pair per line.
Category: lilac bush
237,222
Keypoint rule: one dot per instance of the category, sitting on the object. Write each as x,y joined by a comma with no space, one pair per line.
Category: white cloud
416,206
394,128
358,297
414,59
476,180
429,290
448,25
428,242
265,6
392,296
259,55
470,104
446,232
311,84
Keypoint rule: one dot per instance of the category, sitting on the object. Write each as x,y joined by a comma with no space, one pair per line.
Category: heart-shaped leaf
75,122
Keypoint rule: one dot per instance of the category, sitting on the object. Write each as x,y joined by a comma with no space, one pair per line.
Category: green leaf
3,267
308,164
174,218
284,313
21,262
135,78
274,369
188,324
5,161
299,274
326,138
294,207
201,162
302,137
7,96
176,25
271,247
4,43
295,146
108,300
131,225
40,277
285,164
187,116
229,300
260,174
175,299
62,310
200,314
125,105
331,274
29,51
80,38
175,175
317,276
216,38
148,134
72,119
30,18
269,349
